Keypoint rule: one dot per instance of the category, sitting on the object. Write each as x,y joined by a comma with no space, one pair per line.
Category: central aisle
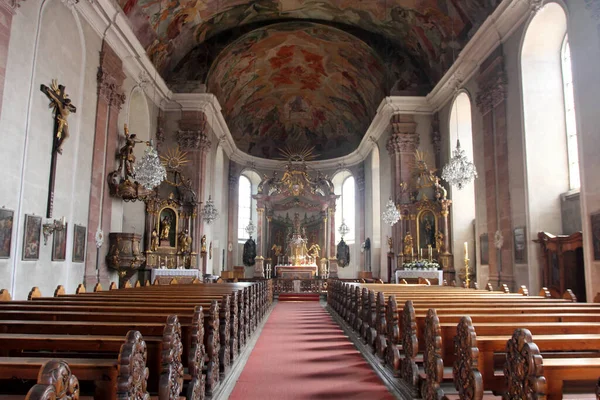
303,354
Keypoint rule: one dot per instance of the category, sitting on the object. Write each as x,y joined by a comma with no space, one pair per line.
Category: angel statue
315,250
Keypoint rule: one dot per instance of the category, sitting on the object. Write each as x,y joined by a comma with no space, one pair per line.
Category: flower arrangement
422,264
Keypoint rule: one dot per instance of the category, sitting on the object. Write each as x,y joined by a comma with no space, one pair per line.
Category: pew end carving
5,295
410,346
55,382
467,378
432,358
171,377
133,374
80,289
523,369
59,291
34,293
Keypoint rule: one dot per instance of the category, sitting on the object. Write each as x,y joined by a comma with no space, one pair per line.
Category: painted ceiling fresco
295,83
428,30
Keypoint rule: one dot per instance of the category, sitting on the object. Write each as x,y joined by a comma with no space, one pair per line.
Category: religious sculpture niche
170,213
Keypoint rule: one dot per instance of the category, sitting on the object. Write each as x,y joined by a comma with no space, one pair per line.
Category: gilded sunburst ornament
174,159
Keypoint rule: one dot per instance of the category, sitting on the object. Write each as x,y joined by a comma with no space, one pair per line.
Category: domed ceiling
298,83
426,30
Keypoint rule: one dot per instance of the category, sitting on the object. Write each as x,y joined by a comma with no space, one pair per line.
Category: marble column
333,265
110,79
491,101
191,137
260,260
360,183
401,146
232,215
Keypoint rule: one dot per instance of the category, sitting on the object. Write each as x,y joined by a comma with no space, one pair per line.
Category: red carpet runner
303,354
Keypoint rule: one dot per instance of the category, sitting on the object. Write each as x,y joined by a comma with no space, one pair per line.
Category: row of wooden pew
165,340
430,334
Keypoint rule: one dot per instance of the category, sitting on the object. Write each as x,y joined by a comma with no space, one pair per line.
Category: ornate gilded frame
177,216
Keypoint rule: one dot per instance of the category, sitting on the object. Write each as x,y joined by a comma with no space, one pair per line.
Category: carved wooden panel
434,365
467,378
171,377
55,382
133,374
523,369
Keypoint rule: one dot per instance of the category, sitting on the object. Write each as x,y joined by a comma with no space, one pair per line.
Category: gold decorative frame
157,227
418,224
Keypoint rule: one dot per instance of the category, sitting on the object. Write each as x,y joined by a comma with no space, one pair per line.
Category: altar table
182,275
296,271
419,273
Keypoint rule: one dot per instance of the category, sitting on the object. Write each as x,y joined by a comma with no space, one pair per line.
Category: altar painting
426,229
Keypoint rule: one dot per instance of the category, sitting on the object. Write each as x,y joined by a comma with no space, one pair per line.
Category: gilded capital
404,136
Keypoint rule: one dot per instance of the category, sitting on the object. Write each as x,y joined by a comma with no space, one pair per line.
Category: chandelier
149,171
250,228
209,211
459,171
343,229
391,215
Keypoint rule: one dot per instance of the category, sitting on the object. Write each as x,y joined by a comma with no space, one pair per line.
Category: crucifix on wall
62,107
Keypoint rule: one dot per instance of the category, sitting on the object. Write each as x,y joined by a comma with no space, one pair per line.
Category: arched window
343,183
570,125
463,200
550,139
244,207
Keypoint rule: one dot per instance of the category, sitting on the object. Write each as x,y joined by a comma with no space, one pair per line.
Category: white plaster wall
36,58
584,37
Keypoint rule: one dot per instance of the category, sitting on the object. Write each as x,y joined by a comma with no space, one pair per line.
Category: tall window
345,206
244,207
570,126
463,200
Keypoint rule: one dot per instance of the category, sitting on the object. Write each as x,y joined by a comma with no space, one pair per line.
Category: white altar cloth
174,272
419,273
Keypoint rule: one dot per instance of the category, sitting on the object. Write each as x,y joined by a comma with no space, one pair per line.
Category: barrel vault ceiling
303,71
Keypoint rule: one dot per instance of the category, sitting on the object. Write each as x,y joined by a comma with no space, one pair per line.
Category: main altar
296,222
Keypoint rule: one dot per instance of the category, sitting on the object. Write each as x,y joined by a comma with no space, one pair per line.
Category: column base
333,268
259,270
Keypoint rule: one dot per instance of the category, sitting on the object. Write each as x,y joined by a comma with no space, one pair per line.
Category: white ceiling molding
507,17
109,21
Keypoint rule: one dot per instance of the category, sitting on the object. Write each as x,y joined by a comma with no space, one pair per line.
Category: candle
421,253
466,251
411,252
429,250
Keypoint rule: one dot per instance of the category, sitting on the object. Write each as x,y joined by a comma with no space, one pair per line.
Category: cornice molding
508,16
110,23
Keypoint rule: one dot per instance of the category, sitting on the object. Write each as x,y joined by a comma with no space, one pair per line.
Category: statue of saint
408,245
439,242
203,242
154,241
276,249
165,227
185,241
314,250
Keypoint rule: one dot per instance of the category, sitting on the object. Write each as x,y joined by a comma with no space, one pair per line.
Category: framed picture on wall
520,245
596,235
59,244
484,249
6,225
78,243
31,237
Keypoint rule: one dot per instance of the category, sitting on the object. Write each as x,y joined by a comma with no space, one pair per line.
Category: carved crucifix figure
62,107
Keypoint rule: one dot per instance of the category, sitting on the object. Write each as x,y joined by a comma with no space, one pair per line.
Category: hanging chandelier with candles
343,229
149,170
390,215
250,228
459,171
209,211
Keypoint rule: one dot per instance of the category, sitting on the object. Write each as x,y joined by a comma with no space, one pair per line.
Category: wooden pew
114,378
